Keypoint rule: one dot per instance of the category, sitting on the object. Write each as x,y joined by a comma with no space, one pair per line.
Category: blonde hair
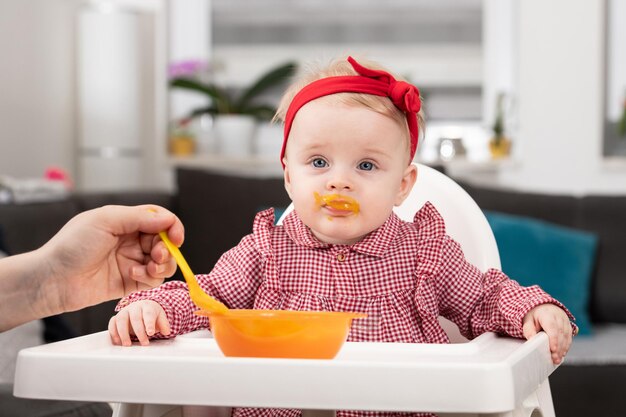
340,67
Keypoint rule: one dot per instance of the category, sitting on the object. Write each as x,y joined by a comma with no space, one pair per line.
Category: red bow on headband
403,95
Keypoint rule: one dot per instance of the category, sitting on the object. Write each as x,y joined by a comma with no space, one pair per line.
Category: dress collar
375,243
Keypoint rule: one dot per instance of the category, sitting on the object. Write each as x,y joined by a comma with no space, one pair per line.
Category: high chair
488,376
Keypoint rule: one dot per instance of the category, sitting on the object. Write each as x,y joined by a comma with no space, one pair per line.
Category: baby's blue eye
319,163
366,166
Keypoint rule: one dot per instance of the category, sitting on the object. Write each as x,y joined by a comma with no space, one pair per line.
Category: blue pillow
278,211
558,259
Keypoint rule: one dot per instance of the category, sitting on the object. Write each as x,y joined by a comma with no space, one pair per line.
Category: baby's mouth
337,203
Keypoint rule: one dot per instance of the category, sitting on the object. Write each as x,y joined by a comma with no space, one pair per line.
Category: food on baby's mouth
337,202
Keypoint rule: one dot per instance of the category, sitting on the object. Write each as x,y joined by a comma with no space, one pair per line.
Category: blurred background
86,86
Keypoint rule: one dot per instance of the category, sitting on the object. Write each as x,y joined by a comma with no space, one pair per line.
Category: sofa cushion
558,209
588,390
607,346
12,341
12,406
28,226
560,260
88,201
606,216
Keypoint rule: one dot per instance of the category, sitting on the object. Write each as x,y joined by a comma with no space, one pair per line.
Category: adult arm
99,255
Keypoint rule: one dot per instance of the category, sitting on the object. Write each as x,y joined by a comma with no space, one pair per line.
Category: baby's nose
339,183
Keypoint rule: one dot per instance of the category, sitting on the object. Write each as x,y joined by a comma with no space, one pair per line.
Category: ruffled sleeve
476,302
173,297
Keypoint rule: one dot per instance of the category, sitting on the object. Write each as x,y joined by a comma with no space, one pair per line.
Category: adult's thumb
146,219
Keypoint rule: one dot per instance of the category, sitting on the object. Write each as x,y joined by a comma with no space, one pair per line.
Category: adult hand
107,253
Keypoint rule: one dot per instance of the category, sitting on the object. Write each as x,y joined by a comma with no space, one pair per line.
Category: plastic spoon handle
198,296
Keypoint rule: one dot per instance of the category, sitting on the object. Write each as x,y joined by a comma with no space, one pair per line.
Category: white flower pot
234,134
268,141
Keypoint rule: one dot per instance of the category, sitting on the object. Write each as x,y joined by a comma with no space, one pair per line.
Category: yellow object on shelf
499,148
182,145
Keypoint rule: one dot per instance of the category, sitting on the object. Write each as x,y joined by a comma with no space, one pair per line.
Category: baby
350,135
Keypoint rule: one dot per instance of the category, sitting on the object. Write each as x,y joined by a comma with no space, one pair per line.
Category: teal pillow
278,211
558,259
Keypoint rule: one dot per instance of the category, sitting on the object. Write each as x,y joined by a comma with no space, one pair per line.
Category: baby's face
345,169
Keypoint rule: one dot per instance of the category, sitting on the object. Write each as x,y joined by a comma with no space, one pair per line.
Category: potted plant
182,141
499,145
236,112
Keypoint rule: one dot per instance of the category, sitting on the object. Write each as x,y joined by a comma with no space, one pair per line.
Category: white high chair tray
487,375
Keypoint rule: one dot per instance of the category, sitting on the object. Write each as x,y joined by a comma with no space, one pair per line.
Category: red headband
404,96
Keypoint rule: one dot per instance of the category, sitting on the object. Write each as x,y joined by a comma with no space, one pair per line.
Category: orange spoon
198,296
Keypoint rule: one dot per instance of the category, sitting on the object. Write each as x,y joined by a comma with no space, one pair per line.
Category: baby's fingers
162,324
557,336
529,328
140,326
118,328
115,337
154,319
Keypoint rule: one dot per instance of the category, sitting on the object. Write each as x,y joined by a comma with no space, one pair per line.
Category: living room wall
561,76
36,81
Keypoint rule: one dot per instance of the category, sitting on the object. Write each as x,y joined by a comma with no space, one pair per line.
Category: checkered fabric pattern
403,275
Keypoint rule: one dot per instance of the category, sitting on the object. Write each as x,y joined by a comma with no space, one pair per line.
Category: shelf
245,166
475,166
614,163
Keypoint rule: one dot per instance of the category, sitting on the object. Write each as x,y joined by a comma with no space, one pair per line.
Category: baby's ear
287,177
406,185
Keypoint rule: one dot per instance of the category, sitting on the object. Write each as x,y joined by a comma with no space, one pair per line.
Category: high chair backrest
465,222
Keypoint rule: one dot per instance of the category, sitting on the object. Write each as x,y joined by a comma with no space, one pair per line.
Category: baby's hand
553,320
142,319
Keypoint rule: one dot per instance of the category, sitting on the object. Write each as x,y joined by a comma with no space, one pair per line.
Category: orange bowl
281,333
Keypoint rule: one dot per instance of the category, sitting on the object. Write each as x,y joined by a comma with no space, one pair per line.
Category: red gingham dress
403,275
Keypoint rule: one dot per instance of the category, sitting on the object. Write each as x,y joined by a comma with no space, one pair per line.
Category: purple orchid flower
186,68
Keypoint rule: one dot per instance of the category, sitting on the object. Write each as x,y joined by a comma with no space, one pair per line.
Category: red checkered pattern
403,275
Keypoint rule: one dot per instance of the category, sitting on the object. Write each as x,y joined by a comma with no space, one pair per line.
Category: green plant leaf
498,125
204,110
621,125
270,79
261,112
222,101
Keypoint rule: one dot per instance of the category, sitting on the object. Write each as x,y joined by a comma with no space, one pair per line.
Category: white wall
190,39
561,94
500,40
617,63
36,86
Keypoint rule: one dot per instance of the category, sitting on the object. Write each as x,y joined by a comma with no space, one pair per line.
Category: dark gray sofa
217,211
592,379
